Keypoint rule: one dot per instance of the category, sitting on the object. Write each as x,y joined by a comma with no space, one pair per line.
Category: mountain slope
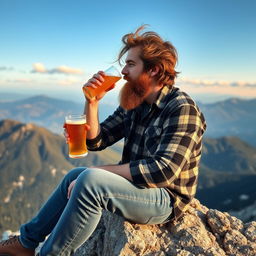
32,162
229,154
234,117
227,174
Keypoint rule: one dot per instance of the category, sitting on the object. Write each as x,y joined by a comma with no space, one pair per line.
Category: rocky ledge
201,231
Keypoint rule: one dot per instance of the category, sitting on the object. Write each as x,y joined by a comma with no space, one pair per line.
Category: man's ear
154,71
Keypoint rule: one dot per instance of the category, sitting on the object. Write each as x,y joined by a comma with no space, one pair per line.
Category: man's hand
70,188
65,133
96,81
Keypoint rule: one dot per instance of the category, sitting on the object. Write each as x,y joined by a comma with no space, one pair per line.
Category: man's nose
124,71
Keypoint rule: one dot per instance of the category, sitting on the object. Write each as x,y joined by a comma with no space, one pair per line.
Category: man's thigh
120,196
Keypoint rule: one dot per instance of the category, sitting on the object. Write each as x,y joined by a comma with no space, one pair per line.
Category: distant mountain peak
235,100
7,123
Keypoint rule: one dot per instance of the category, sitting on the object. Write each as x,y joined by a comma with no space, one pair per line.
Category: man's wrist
92,103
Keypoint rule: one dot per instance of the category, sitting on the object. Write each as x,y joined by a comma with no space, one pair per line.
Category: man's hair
154,52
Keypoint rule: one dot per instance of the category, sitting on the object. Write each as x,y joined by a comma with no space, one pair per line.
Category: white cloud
40,68
66,70
217,87
214,83
243,84
247,92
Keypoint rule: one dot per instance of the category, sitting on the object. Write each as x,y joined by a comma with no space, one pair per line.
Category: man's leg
43,223
95,190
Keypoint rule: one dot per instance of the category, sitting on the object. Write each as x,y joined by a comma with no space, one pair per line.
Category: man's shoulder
178,98
181,103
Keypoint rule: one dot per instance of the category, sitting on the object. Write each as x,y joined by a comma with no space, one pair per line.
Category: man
162,130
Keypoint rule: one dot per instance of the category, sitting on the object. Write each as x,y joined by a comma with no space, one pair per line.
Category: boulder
200,231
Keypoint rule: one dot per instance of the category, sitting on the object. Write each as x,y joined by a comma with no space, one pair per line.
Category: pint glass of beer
76,129
112,75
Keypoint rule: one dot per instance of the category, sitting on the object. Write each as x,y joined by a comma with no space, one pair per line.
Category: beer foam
73,121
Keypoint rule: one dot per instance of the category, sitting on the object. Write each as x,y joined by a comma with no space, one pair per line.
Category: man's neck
152,97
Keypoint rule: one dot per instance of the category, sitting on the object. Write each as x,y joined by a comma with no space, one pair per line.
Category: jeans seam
134,198
67,245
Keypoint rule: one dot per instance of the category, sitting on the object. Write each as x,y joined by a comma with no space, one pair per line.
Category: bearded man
157,176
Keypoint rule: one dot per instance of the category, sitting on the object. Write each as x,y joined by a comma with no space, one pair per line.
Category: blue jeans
70,222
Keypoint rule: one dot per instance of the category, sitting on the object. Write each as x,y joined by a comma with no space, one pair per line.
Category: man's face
134,64
138,85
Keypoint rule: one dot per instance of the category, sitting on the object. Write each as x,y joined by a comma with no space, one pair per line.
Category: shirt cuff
137,177
93,144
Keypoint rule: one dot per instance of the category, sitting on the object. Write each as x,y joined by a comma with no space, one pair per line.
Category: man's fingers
70,188
87,127
96,80
66,136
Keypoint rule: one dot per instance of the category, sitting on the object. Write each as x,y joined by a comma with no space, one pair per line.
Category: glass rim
75,116
112,70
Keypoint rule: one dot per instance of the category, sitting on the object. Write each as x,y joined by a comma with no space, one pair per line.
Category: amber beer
76,129
112,75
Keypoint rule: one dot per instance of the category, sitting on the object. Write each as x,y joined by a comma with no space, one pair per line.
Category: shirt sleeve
181,137
112,130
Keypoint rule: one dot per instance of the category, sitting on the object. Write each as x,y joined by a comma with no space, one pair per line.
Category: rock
200,231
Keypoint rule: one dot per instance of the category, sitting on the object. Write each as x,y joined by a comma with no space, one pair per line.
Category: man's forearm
122,170
91,112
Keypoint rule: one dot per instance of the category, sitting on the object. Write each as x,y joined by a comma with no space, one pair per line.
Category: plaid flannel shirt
162,144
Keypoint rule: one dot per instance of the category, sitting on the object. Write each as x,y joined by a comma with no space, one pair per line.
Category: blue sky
52,47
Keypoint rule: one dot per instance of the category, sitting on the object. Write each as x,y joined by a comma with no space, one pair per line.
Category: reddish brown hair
154,52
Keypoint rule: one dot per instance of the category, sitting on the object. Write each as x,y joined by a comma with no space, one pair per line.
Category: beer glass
76,129
112,75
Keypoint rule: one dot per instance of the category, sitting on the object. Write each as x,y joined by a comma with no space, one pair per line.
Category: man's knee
73,174
91,177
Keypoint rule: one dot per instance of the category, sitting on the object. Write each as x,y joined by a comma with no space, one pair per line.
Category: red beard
134,93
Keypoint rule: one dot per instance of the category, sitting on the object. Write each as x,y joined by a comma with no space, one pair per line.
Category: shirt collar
161,100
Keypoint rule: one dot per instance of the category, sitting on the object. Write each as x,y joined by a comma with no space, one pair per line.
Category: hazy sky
49,46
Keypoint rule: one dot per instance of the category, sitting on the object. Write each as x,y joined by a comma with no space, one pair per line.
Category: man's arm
111,130
122,170
92,105
91,112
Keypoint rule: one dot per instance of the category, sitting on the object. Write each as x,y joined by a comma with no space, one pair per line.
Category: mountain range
227,174
44,111
232,117
33,160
